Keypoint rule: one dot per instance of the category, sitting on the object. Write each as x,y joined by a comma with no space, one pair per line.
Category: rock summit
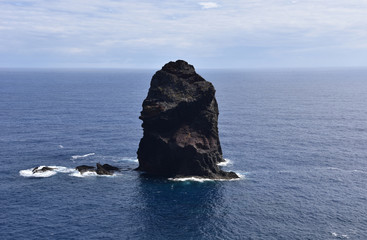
180,123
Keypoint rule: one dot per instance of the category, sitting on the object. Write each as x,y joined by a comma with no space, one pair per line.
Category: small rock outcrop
104,169
180,122
110,168
42,169
84,168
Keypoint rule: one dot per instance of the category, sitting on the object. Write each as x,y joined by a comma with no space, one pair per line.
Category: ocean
298,138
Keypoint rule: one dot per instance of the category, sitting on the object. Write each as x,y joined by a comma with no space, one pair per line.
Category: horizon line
196,68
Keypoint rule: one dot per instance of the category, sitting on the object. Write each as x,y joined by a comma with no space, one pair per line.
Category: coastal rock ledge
180,122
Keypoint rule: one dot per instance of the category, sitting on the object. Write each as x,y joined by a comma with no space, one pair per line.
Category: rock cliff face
180,119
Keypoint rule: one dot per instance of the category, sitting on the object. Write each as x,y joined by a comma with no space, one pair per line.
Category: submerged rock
43,169
180,122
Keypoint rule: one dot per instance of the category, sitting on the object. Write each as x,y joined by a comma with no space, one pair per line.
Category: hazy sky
208,34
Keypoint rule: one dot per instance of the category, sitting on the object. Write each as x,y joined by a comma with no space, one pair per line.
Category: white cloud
208,5
171,28
75,50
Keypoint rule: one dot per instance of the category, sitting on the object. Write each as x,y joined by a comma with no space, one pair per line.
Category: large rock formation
180,118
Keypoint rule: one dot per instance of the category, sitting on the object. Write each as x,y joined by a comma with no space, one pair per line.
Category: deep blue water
298,137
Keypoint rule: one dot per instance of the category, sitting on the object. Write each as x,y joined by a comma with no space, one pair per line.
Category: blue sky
208,34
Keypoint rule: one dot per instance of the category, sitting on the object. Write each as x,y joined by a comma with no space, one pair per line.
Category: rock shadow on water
179,210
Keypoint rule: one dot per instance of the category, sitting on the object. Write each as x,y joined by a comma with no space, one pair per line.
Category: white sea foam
199,179
333,168
346,170
85,174
191,179
56,169
225,163
61,146
82,156
91,174
61,169
286,171
241,176
29,173
130,159
359,171
340,236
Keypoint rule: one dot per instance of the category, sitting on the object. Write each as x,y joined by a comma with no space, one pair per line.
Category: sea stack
180,122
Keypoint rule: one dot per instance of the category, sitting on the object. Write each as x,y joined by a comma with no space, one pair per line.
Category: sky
208,34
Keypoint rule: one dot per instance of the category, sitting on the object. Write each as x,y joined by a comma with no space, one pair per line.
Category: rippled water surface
298,138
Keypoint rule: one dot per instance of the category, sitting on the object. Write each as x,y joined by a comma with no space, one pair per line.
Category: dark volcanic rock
43,169
108,167
180,119
103,171
84,168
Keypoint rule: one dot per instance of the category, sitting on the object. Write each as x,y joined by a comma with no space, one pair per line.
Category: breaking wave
191,179
344,170
339,236
59,169
199,179
82,156
56,169
86,174
225,163
92,174
130,159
